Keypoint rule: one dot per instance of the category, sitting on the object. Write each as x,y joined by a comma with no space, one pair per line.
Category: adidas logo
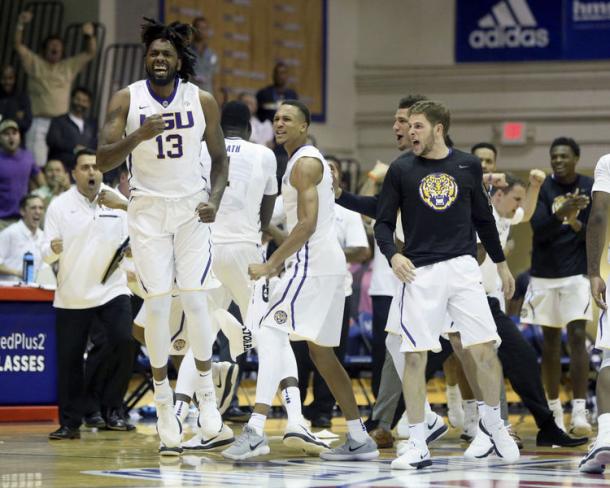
510,24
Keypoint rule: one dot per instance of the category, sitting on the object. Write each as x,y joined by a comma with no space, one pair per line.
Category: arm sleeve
361,204
51,231
387,210
483,218
54,139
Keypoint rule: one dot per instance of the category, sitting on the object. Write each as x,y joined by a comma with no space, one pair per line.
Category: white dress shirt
15,241
91,235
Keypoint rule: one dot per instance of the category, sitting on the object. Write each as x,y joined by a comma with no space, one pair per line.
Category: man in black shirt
559,294
443,205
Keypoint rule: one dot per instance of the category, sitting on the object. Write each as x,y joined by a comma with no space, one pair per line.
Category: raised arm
536,179
215,141
114,146
89,33
24,18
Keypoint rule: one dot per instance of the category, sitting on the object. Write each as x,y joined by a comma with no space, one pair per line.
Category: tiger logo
438,191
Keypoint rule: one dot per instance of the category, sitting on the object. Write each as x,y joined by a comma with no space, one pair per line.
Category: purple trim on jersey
601,324
402,325
294,274
294,298
180,328
165,102
207,266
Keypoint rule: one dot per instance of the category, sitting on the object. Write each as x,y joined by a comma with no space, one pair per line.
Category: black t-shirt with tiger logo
443,206
557,250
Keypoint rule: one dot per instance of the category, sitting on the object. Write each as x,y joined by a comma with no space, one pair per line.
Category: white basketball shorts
444,297
307,307
555,302
169,243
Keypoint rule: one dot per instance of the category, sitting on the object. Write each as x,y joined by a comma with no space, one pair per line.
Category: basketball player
442,201
307,303
559,293
599,453
158,124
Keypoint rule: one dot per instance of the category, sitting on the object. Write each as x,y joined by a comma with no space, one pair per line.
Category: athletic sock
163,391
357,430
291,398
205,387
257,422
603,423
418,434
181,409
491,416
579,405
555,404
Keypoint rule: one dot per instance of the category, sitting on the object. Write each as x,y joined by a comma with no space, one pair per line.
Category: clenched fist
207,212
537,177
152,127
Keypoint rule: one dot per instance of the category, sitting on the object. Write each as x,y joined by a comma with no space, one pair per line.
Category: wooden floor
100,459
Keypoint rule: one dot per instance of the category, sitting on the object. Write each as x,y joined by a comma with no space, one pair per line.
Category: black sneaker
551,435
94,421
64,433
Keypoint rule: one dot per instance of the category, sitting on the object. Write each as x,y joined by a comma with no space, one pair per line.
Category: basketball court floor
129,459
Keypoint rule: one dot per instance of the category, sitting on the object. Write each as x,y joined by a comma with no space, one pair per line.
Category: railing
122,64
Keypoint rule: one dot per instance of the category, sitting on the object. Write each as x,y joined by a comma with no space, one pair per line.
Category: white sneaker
169,429
504,445
301,438
198,443
209,420
412,457
436,427
480,447
471,420
598,456
402,427
558,416
181,409
579,424
224,376
455,411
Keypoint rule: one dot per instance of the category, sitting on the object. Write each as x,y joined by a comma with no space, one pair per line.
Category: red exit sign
514,133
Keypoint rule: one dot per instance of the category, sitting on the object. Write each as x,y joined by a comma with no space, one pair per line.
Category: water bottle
28,267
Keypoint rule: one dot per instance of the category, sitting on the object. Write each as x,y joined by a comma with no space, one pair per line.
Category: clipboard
119,254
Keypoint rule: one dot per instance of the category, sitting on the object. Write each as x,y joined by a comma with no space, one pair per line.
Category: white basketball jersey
252,174
321,254
167,165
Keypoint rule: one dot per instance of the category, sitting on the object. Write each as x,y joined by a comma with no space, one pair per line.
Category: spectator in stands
21,237
50,78
207,65
14,105
17,170
73,131
262,132
270,97
83,237
58,181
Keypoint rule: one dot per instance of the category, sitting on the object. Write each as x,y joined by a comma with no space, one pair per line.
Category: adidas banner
532,30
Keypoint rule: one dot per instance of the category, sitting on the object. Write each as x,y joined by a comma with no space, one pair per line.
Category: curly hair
178,35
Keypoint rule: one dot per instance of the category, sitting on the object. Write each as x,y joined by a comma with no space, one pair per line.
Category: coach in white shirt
84,236
21,237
